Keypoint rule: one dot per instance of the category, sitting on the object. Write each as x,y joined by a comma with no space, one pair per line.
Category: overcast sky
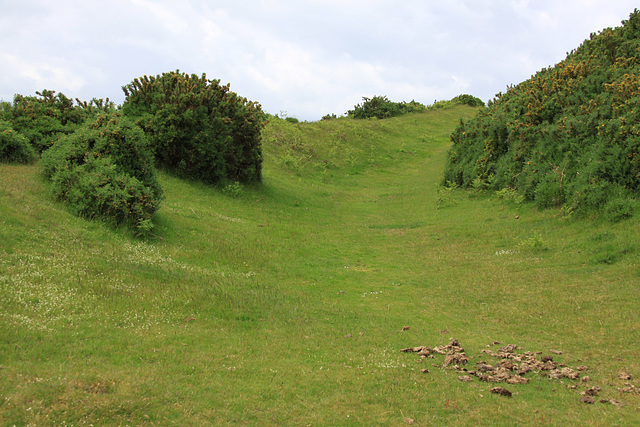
304,57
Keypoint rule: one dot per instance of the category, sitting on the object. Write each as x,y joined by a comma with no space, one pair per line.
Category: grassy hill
288,302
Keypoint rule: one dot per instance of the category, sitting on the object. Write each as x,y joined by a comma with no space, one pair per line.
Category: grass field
288,303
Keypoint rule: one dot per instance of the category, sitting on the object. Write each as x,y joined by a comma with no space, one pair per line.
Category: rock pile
511,367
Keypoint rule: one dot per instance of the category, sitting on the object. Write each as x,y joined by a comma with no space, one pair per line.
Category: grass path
287,303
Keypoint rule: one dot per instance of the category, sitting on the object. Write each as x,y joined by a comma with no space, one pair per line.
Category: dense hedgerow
381,107
197,127
568,136
105,170
14,147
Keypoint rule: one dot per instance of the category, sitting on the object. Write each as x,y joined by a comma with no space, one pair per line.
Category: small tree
197,127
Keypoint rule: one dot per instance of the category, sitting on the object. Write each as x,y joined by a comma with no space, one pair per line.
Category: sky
302,58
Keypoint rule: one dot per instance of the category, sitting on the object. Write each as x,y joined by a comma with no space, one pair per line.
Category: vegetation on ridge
381,107
569,136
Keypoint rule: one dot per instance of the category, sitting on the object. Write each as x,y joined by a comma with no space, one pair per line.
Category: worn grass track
285,303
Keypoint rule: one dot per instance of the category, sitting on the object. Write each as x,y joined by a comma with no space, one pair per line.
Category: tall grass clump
566,137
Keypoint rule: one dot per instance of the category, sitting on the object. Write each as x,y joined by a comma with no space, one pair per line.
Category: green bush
197,127
233,190
14,147
45,117
549,191
381,107
535,243
469,100
568,136
620,208
41,119
97,188
510,195
105,170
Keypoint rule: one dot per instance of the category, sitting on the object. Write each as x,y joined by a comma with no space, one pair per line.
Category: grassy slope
286,304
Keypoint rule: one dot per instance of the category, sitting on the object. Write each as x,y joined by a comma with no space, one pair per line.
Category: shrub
329,117
41,119
233,189
381,107
566,136
510,195
469,100
441,105
620,208
45,117
549,192
197,127
534,243
14,147
105,170
97,188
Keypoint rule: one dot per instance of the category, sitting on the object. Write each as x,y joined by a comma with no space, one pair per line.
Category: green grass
284,303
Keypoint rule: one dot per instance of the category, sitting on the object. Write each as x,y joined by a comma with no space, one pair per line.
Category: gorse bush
197,127
14,147
45,117
470,100
567,136
102,163
105,170
41,119
97,188
381,107
109,135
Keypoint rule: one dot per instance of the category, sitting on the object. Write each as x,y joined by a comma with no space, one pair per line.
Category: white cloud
170,15
42,74
308,58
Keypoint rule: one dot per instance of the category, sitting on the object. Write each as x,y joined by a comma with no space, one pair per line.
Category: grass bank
289,302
